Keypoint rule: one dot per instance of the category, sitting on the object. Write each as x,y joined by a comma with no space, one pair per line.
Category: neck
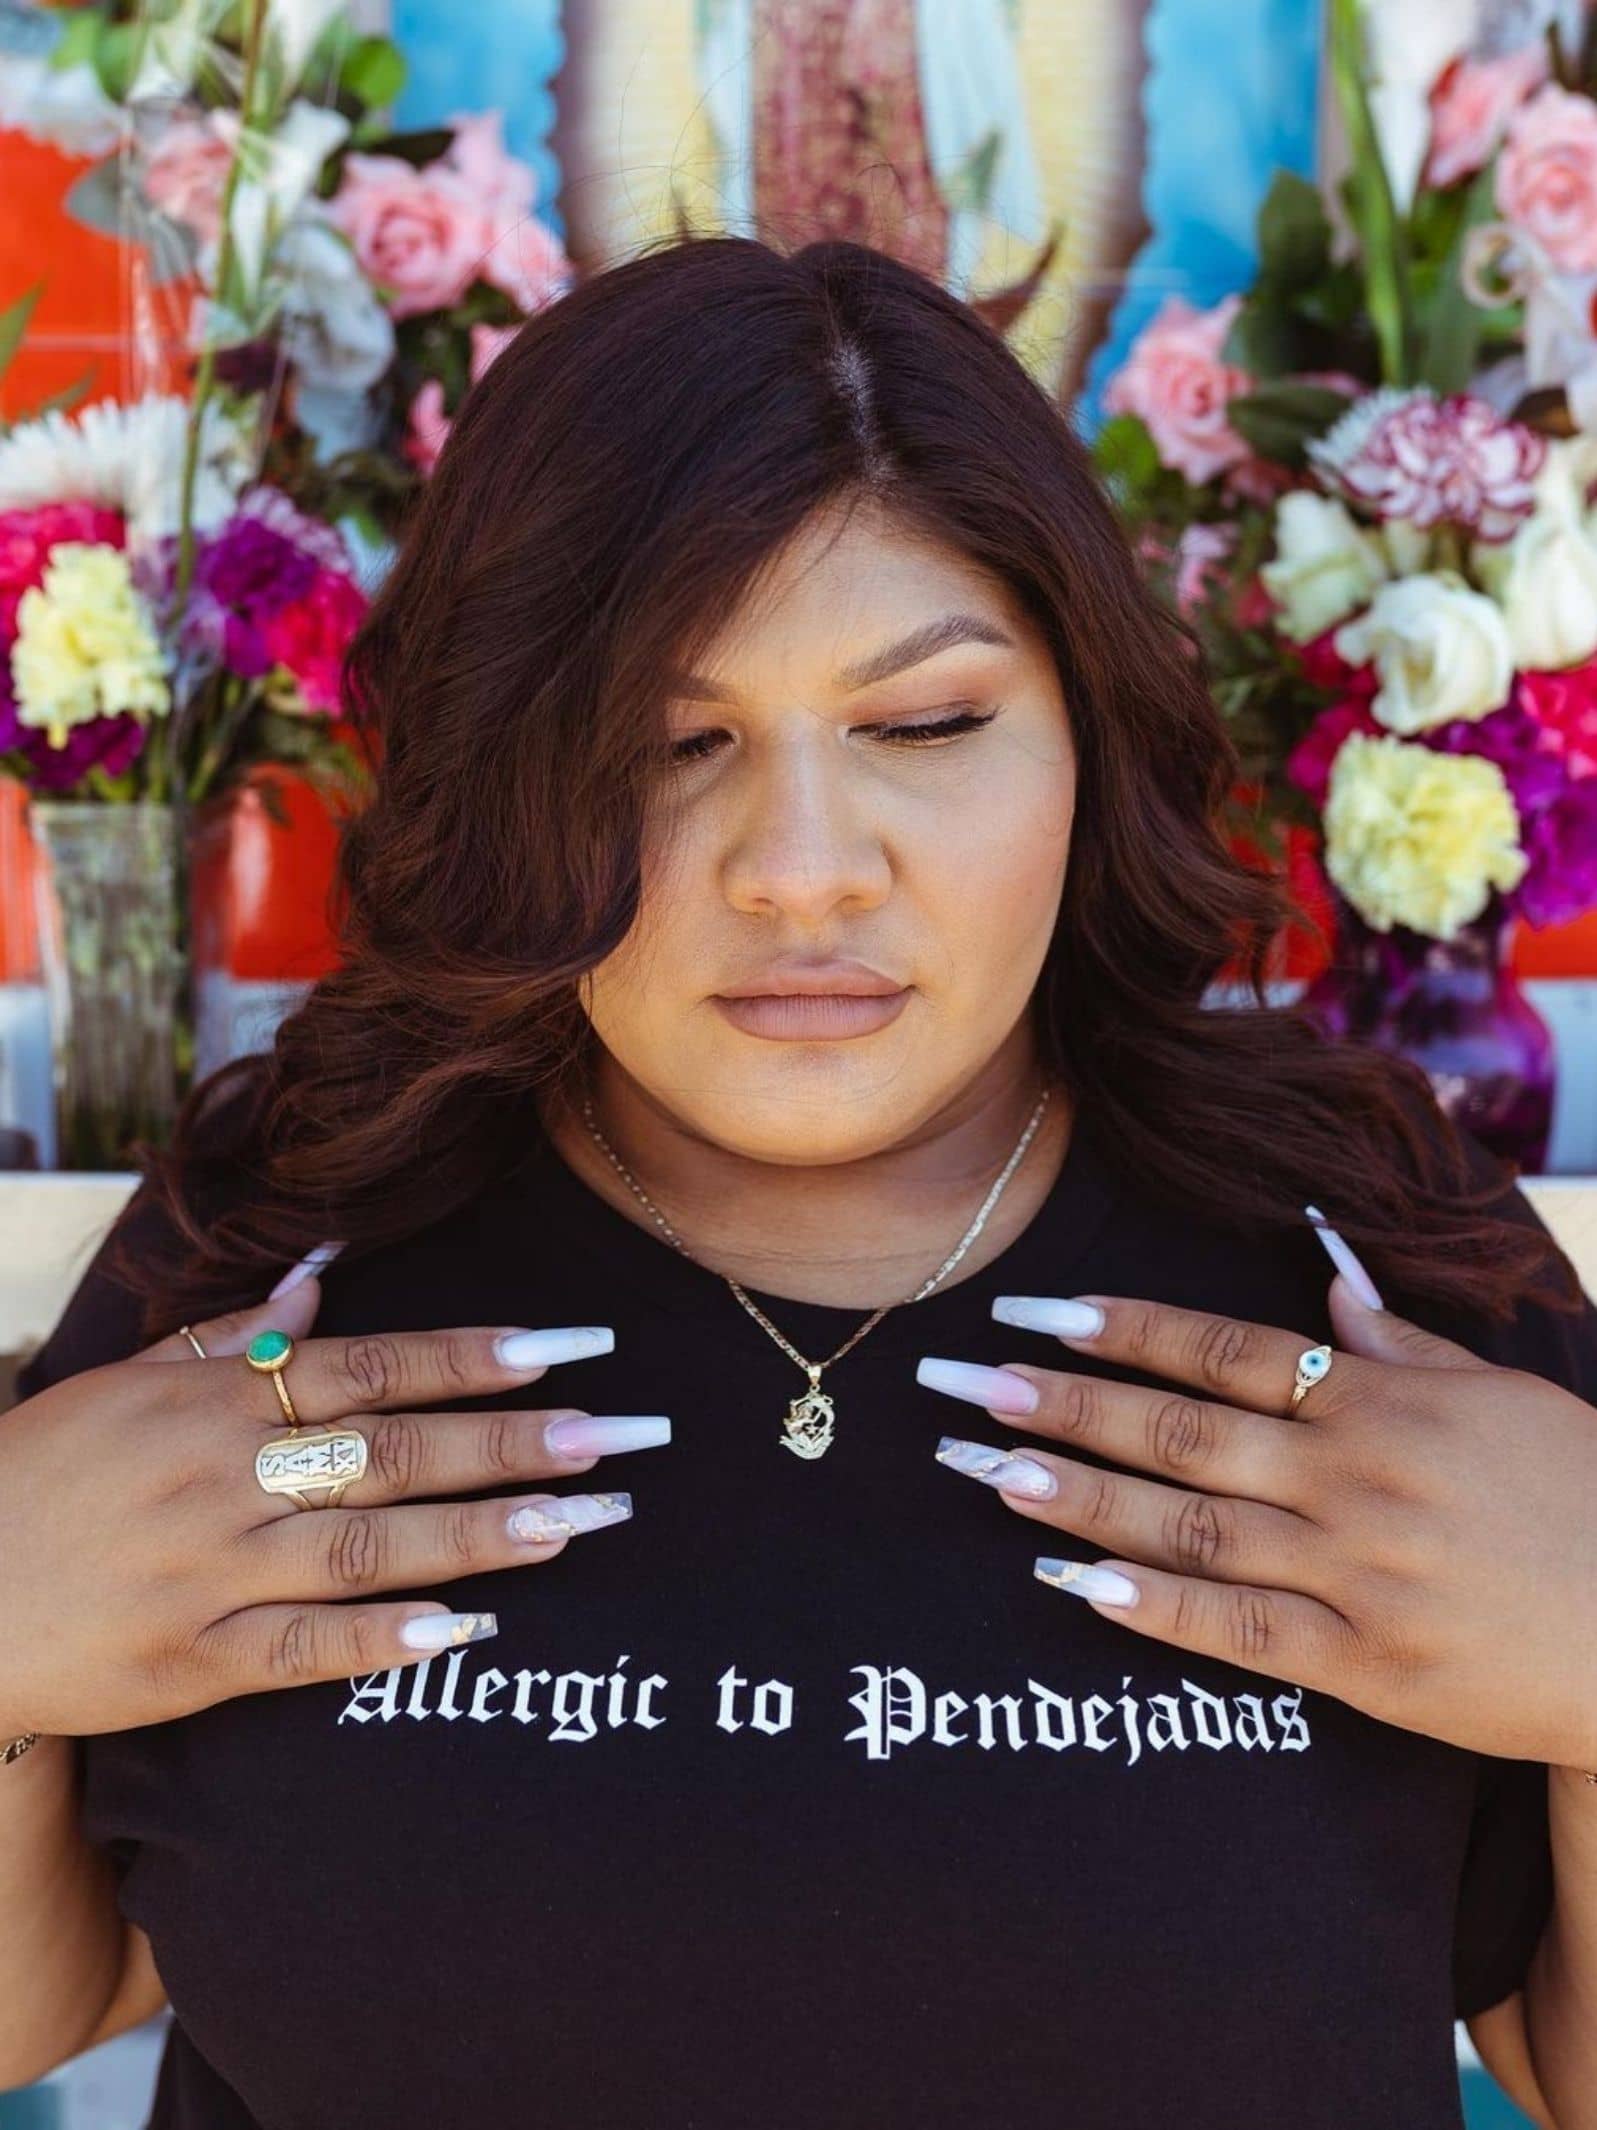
855,1233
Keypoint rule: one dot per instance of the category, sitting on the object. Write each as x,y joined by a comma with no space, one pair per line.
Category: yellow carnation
1417,838
86,646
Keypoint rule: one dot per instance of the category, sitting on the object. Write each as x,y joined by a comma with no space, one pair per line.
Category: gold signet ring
1314,1365
330,1457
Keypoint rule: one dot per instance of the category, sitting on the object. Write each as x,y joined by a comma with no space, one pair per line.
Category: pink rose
419,234
1471,105
311,636
524,257
1564,704
1547,177
187,171
1175,380
429,424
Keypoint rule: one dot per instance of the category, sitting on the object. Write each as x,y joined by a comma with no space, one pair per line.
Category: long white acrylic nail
323,1254
1341,1255
568,1515
447,1630
606,1435
1047,1312
565,1342
997,1468
999,1389
1106,1585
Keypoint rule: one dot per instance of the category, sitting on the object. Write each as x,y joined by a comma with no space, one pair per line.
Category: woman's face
803,823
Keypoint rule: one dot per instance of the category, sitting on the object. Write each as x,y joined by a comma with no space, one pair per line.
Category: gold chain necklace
807,1430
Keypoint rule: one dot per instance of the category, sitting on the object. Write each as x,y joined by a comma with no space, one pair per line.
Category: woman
790,893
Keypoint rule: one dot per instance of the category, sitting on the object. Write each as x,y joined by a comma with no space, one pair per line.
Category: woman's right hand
145,1573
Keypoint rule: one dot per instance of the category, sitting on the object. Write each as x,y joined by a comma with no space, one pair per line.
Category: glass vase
108,941
1456,1009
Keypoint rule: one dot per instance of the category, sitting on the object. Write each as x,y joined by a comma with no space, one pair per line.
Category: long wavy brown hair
607,493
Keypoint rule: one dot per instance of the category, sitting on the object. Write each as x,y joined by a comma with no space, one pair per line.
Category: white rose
1545,581
1326,565
1441,649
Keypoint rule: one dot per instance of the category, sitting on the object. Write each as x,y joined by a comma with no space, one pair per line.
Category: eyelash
691,749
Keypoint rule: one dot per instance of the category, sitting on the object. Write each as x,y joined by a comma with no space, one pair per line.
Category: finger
1240,1363
328,1379
411,1454
223,1335
1192,1533
349,1552
268,1646
1282,1632
1380,1336
1217,1447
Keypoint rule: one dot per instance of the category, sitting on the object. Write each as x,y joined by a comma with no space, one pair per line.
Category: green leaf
67,398
1455,326
1294,231
1383,240
1279,419
416,148
1124,449
115,54
80,33
966,189
374,71
14,323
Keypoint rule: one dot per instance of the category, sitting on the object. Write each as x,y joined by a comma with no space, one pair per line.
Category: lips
852,979
812,1017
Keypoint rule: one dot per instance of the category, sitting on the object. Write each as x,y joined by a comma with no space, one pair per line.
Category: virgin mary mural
994,144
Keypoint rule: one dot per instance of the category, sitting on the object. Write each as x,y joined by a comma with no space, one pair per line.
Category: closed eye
699,744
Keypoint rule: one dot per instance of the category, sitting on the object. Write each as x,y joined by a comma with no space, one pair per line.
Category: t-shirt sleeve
1505,1888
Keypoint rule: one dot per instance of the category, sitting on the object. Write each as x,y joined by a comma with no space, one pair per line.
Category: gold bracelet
17,1747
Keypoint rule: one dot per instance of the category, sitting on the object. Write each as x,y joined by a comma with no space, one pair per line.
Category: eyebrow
914,649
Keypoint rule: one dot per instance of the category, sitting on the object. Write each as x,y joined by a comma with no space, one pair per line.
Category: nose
804,842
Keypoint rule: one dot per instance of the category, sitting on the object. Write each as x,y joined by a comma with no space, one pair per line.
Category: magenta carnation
312,636
1564,705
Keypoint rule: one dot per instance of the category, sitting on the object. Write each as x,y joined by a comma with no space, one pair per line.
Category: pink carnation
1547,177
1471,105
1564,705
1201,555
1176,381
27,536
311,637
1408,454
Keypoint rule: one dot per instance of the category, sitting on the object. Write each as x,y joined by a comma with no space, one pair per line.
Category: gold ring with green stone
287,1464
270,1352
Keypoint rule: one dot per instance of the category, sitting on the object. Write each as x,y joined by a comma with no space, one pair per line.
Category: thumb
1380,1336
294,1312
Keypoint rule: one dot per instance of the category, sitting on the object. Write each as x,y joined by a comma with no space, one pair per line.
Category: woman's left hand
1419,1539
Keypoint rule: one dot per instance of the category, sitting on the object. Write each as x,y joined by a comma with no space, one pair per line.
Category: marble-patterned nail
563,1342
606,1435
1341,1255
997,1468
999,1389
447,1630
1107,1585
1049,1312
568,1515
313,1261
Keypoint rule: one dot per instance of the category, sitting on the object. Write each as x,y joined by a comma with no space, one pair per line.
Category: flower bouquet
1366,485
181,577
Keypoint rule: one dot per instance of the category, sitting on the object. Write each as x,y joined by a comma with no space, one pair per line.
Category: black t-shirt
796,1802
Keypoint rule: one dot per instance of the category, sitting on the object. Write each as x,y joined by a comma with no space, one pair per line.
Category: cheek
993,862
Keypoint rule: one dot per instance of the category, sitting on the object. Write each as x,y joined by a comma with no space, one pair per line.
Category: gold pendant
807,1430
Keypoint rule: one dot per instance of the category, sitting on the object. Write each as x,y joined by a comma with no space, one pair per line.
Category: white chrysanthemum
128,459
86,645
